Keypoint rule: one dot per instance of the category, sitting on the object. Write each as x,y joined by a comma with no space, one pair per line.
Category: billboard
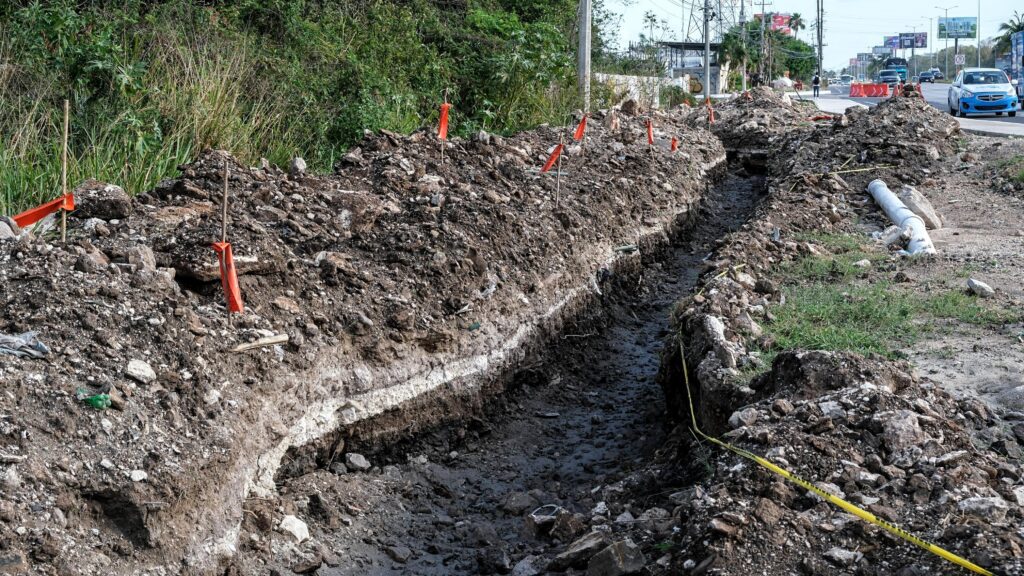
864,57
779,22
881,50
913,40
891,42
853,62
951,28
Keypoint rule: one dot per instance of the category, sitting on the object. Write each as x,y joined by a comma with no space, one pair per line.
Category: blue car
982,91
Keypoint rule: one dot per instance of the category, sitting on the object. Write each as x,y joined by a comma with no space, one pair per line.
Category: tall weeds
153,83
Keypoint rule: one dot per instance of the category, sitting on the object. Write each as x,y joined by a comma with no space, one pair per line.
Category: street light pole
946,65
979,33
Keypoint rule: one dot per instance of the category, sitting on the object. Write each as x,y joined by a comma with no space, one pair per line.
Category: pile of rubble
901,139
364,290
867,429
755,121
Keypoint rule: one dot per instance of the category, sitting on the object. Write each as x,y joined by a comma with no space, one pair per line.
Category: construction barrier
860,90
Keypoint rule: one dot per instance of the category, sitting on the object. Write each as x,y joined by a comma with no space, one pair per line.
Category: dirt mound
900,140
753,122
905,454
395,278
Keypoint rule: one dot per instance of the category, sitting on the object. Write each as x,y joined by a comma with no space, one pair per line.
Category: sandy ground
983,238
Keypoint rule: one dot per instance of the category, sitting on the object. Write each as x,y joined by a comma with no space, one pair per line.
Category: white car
982,91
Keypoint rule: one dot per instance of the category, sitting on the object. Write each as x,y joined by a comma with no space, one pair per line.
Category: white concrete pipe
897,211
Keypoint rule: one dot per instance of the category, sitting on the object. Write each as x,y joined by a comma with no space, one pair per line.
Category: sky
851,26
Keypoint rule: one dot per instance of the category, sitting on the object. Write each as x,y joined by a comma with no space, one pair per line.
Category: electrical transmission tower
725,15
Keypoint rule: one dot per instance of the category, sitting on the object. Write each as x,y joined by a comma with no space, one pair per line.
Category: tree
1009,28
796,23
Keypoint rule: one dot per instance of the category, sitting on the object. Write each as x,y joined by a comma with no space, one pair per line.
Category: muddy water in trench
453,501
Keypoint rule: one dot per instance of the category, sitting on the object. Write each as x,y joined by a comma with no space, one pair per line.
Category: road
935,94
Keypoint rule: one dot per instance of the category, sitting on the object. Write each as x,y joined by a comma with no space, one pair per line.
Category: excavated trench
577,417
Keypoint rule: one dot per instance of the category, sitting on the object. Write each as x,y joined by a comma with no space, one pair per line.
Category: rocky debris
920,205
580,552
400,554
356,462
295,528
618,559
979,288
393,262
140,371
298,166
868,429
756,123
95,199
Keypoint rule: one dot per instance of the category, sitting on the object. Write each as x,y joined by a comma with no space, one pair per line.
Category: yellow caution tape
858,512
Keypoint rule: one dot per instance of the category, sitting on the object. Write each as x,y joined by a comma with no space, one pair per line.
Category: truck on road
899,65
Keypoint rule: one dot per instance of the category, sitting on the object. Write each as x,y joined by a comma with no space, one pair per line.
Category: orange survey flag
650,132
581,129
551,159
29,217
675,144
711,112
442,131
228,276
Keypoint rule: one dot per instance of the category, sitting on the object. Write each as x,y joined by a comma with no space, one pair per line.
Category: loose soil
578,421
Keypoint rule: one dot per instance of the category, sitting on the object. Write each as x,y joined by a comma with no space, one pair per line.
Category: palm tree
1009,28
796,23
732,50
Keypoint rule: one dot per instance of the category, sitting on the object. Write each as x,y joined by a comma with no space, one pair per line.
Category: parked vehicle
982,91
927,76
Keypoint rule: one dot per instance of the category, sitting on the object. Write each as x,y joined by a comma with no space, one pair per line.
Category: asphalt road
936,93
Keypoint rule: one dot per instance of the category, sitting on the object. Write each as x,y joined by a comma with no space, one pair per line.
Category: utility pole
821,18
743,37
761,70
583,66
707,51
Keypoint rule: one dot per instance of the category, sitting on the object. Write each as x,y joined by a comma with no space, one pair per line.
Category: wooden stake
224,221
64,173
558,171
224,207
443,139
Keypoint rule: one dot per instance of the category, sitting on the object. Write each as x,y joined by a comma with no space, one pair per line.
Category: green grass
831,305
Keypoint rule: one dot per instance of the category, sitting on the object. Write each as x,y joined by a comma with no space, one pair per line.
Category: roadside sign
958,27
960,59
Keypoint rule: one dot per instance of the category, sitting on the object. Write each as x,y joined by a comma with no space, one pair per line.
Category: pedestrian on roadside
816,82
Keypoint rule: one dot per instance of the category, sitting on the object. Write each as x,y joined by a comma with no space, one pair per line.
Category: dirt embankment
867,428
398,279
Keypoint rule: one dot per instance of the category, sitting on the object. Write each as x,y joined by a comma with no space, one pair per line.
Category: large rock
621,558
95,199
294,527
979,288
579,551
140,370
919,204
